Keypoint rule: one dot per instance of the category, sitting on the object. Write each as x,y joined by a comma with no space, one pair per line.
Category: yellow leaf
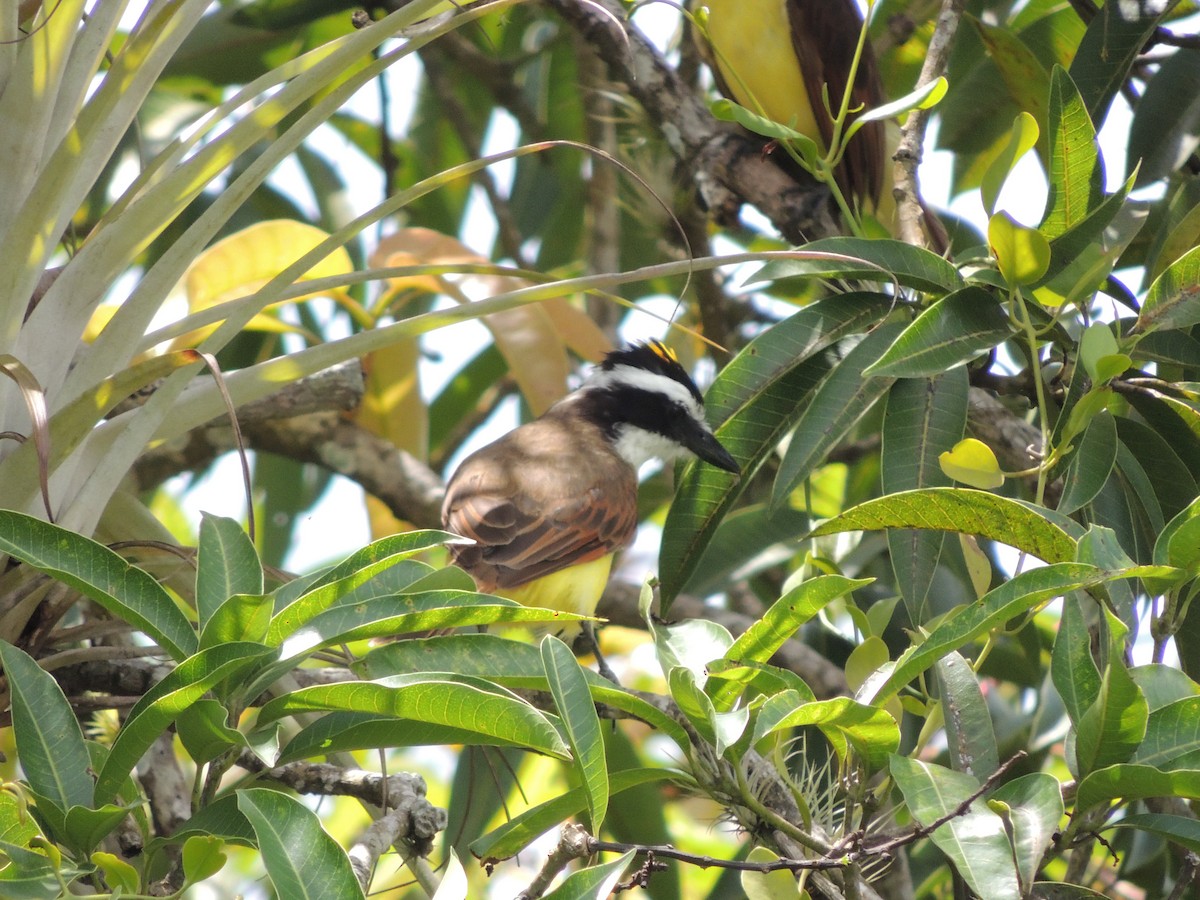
973,463
243,262
1023,254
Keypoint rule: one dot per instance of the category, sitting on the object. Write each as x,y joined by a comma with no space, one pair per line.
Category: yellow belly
574,590
752,42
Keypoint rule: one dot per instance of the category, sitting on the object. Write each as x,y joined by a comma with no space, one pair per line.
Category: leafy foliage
945,612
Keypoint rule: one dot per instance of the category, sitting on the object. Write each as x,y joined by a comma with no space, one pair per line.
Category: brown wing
539,500
825,33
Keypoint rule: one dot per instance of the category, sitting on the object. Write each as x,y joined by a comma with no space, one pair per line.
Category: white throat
637,446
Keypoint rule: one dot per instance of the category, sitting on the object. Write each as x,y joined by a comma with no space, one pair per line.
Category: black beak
701,442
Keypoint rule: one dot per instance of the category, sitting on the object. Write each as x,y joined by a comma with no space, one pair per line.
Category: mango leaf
962,510
1181,830
302,860
1113,726
976,841
49,740
511,663
1022,254
569,688
785,616
1163,131
434,698
160,705
596,882
1072,668
1172,737
1023,138
970,737
973,463
758,397
1090,464
910,266
922,417
1109,49
1173,300
297,606
968,323
1032,806
1023,592
1129,782
870,732
226,564
516,834
126,591
839,402
1076,171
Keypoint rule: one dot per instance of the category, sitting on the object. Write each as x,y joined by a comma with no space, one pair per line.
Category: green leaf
226,564
922,417
241,617
839,402
720,729
163,703
435,698
1023,138
520,831
49,740
118,874
1164,118
354,573
1034,810
778,884
1072,668
1172,737
869,731
728,111
961,510
868,259
970,737
202,858
1173,300
1110,47
424,611
204,732
785,616
511,663
84,828
968,323
1182,830
1020,594
1113,726
1090,464
976,842
1129,782
595,882
1076,171
302,860
95,571
757,397
1023,254
569,688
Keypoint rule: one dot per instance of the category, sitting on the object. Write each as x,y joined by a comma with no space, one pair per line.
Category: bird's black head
649,407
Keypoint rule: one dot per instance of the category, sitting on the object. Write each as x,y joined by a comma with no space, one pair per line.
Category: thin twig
912,135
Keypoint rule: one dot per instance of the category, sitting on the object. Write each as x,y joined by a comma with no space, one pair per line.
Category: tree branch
909,212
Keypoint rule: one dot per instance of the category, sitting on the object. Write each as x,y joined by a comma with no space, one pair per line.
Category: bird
546,505
779,58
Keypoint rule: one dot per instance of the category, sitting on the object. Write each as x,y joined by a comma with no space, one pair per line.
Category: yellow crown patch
662,351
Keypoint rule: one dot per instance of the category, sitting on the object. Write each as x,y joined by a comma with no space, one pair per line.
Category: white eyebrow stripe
631,376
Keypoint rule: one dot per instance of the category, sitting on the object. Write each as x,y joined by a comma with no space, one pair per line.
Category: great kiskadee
549,503
777,57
